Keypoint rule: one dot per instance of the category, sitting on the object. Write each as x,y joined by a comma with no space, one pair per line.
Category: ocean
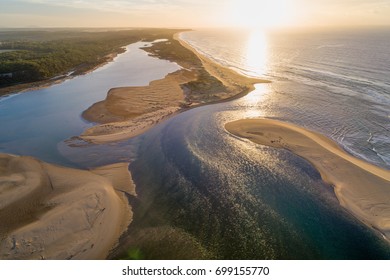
333,82
203,193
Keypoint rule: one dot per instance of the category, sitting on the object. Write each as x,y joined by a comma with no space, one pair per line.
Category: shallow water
203,193
238,199
225,197
34,122
333,82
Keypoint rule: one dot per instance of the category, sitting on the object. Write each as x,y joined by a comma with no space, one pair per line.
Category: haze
192,13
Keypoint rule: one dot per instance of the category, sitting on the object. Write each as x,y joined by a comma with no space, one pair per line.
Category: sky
193,13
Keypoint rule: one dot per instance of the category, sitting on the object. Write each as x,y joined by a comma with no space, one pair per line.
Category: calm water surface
205,193
334,82
33,123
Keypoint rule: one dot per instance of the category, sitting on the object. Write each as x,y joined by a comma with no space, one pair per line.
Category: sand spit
362,188
130,111
52,212
232,80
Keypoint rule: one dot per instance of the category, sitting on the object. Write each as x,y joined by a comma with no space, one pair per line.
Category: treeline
33,59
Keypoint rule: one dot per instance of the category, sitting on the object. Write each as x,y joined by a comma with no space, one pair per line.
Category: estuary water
201,188
34,122
203,193
334,82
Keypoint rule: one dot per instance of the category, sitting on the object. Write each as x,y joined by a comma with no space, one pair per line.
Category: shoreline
113,178
226,75
53,212
38,85
130,111
71,210
362,189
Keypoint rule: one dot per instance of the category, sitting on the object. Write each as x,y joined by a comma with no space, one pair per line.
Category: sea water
224,197
334,82
203,193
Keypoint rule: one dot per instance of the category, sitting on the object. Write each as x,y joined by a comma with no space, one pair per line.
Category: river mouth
222,197
198,187
35,122
201,188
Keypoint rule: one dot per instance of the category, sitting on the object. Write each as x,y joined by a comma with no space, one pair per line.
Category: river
201,191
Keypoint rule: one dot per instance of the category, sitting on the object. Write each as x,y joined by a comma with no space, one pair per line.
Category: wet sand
52,212
362,188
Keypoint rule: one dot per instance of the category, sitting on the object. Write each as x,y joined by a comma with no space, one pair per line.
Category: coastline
72,210
116,127
231,79
53,212
362,189
130,111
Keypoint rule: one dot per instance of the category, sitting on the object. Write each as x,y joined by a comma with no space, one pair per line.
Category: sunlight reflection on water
257,53
254,103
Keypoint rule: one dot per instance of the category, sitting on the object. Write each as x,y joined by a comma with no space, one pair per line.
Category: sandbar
361,188
53,212
130,111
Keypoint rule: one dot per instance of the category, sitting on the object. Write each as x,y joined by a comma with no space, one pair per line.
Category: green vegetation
203,88
36,56
45,54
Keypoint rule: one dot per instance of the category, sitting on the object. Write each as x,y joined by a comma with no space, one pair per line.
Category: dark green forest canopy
35,55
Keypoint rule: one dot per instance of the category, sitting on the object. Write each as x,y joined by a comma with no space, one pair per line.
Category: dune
361,188
53,212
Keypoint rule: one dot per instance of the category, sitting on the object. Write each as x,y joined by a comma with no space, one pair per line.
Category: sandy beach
52,212
130,111
362,188
233,81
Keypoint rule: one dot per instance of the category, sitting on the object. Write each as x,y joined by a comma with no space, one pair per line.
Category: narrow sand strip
232,80
130,111
362,188
52,212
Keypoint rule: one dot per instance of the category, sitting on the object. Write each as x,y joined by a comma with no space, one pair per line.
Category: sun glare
257,52
259,14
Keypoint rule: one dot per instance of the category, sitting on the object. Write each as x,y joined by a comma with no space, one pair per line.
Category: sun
259,13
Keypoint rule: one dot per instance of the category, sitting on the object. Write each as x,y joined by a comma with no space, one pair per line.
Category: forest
34,55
